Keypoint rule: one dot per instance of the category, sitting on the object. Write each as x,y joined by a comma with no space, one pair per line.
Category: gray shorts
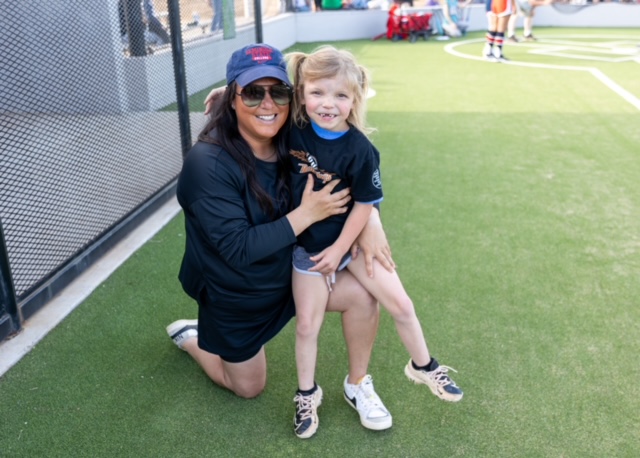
302,263
524,8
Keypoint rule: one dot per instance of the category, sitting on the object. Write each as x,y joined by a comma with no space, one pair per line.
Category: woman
241,230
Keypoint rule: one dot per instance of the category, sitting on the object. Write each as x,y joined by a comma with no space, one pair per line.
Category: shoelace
305,403
440,376
370,398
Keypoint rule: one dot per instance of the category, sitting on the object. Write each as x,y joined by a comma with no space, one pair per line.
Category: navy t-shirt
352,158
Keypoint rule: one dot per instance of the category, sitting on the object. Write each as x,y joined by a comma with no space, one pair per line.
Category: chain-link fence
89,132
146,22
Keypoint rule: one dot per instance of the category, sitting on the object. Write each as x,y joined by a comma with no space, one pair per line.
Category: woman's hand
373,243
318,205
212,98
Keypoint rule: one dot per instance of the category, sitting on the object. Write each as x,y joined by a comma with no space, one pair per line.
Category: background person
526,9
498,13
447,20
301,6
217,20
154,24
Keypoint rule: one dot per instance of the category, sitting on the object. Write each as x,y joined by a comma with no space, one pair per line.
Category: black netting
84,139
89,127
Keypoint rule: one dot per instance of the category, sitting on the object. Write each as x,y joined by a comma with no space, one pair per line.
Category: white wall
339,25
599,15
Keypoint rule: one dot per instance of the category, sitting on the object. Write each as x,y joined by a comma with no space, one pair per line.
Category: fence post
257,13
177,52
228,19
7,291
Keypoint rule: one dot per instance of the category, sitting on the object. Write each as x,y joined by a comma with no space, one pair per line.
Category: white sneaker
486,50
362,397
498,56
437,380
182,330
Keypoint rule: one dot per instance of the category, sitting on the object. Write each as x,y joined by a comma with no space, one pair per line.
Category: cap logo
260,55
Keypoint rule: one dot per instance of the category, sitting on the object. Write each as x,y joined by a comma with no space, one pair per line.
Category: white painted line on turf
559,51
608,82
611,51
49,316
627,46
615,87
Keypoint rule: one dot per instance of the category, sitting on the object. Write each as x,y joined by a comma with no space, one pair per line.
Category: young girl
329,142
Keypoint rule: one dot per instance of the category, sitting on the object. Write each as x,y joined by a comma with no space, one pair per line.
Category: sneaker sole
367,423
444,395
176,326
309,432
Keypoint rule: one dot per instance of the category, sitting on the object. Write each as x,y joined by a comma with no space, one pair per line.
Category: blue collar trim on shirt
326,134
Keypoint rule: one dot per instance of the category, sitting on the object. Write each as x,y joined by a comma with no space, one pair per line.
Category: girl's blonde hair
329,62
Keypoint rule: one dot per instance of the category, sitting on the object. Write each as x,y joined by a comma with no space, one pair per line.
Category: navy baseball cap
254,62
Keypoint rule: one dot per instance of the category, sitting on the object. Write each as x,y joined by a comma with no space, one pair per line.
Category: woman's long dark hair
223,130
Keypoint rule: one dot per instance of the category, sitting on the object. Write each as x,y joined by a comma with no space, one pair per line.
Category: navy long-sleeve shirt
233,250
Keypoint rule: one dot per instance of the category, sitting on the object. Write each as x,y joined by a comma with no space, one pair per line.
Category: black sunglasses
254,94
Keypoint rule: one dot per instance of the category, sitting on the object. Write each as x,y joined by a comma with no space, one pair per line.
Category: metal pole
258,19
7,291
177,52
228,19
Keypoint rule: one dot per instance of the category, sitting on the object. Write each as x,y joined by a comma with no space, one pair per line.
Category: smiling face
328,103
258,125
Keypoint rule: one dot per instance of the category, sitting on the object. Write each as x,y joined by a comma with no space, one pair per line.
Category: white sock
528,26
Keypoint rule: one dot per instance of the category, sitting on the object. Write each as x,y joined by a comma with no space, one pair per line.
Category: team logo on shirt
309,164
376,180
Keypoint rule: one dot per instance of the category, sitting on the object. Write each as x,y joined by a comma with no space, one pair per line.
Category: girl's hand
373,243
327,261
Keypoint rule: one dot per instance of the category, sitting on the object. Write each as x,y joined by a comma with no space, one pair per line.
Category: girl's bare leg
360,316
387,288
311,295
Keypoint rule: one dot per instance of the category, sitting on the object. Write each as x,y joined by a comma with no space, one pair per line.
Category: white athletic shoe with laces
182,330
437,380
306,421
498,56
362,397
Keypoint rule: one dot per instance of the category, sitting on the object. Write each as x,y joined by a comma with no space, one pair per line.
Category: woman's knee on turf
248,388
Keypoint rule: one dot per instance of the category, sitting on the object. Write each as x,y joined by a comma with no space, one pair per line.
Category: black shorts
237,332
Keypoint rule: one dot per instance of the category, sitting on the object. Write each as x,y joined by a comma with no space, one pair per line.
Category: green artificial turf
511,203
